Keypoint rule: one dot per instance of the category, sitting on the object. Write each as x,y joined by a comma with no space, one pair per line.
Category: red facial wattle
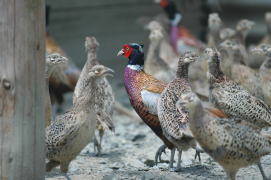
127,50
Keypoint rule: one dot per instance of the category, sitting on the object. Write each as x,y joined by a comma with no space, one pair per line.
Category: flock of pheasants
213,97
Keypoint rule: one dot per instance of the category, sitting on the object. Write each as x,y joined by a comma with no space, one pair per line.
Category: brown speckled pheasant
240,73
242,28
227,33
154,65
265,77
174,123
72,131
228,50
52,62
104,105
267,38
166,51
244,55
231,144
144,91
57,86
214,25
233,99
265,71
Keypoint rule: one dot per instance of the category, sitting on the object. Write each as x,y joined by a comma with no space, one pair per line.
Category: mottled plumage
104,101
166,51
265,77
214,25
231,144
53,63
174,123
265,71
267,38
154,65
72,131
143,90
59,86
240,73
233,99
227,34
242,28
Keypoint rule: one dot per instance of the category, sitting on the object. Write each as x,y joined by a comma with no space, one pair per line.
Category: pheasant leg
171,161
97,146
197,154
159,153
67,177
262,171
101,134
178,168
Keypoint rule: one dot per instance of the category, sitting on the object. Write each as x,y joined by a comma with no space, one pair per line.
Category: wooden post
22,85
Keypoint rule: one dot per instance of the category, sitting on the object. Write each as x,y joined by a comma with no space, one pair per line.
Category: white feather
150,100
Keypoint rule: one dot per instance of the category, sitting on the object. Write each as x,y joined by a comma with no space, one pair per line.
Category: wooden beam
22,85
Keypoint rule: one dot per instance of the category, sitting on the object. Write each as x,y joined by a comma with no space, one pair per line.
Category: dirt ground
129,154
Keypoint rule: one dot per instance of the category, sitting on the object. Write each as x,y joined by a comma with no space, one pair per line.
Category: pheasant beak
108,72
121,52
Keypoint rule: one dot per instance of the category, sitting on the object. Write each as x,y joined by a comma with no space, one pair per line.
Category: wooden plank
22,88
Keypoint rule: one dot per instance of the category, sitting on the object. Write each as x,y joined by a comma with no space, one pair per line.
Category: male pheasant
144,91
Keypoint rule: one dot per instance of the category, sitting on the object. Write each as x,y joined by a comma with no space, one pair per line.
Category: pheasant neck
214,67
136,67
85,94
92,54
196,115
151,58
136,59
182,71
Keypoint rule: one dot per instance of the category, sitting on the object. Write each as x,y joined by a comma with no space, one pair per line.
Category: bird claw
67,177
197,154
97,147
159,152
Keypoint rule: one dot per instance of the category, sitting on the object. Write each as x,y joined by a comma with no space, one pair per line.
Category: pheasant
181,38
265,71
144,91
267,38
265,77
231,144
214,25
57,86
166,51
174,123
197,72
72,131
240,73
52,62
233,99
154,65
228,49
104,105
227,34
242,29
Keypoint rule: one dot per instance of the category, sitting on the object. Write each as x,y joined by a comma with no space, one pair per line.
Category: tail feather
106,122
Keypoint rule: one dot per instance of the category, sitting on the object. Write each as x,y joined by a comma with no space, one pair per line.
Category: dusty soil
129,154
